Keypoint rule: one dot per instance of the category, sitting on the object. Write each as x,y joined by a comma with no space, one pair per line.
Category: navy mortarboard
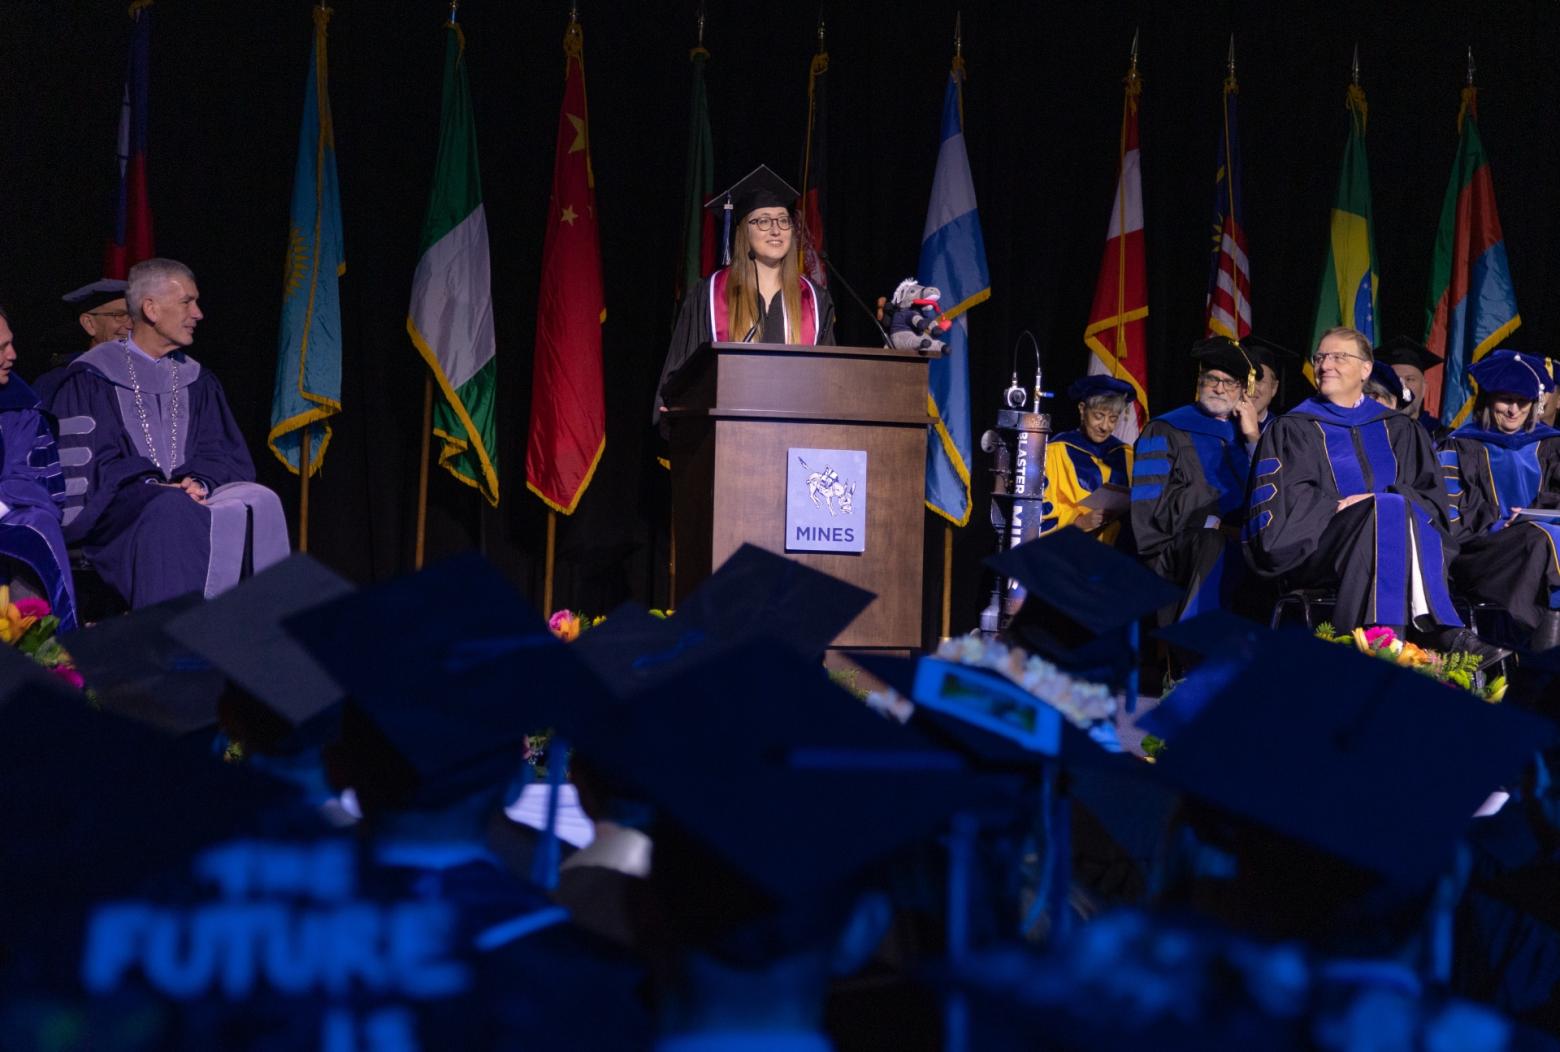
449,716
91,296
134,668
240,632
1374,764
1087,387
814,786
1081,599
1386,379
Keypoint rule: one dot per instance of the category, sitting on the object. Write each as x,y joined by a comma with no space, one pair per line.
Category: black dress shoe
1455,640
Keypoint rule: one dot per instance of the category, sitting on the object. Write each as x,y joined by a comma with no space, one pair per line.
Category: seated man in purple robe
31,492
160,488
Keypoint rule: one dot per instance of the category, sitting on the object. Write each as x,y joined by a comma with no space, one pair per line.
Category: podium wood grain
736,409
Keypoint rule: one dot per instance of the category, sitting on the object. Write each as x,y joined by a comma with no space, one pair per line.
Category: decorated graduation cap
91,297
1099,384
760,188
1371,763
137,670
1387,378
1240,359
1401,350
240,632
1511,372
1082,601
446,714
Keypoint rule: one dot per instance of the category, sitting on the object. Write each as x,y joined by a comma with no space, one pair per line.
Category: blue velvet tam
1387,377
1100,384
1513,373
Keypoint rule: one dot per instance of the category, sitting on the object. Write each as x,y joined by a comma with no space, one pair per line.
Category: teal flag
308,356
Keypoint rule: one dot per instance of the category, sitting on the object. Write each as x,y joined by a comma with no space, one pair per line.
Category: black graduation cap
1400,350
92,296
813,787
135,669
447,671
240,632
1213,632
1080,598
760,188
756,590
1377,765
1239,359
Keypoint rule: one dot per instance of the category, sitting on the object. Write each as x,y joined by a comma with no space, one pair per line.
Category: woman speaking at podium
761,296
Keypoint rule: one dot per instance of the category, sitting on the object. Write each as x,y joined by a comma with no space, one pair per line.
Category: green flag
1349,278
697,258
451,317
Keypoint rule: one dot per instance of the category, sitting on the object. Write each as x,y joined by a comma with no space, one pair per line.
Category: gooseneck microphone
829,263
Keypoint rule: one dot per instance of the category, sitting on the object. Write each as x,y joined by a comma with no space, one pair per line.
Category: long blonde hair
741,296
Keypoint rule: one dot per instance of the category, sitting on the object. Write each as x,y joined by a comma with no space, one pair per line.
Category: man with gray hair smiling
160,487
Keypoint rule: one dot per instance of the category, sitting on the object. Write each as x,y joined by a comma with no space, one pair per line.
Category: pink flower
1380,636
565,624
69,675
33,607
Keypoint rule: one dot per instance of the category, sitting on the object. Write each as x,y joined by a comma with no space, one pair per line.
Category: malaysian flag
1229,274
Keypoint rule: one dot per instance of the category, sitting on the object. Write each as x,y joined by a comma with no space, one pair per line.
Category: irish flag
1472,306
451,317
1117,333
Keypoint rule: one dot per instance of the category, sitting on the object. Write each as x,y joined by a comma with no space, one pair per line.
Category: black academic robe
1374,552
1188,495
1487,475
702,319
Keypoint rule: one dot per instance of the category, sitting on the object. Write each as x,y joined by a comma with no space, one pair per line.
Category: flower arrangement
1458,669
568,625
30,626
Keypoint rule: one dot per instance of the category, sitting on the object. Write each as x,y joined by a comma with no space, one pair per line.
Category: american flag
1228,302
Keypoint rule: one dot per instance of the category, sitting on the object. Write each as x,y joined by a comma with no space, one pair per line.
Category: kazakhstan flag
953,258
1349,279
308,357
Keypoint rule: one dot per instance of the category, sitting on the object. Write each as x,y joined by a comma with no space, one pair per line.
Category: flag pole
552,551
422,473
945,628
303,491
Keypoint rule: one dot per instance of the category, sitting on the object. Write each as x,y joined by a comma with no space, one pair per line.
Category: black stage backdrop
1042,106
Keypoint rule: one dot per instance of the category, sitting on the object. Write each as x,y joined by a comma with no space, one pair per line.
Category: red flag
568,408
1117,333
813,165
131,240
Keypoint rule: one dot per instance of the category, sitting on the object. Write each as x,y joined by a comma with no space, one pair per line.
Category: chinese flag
568,410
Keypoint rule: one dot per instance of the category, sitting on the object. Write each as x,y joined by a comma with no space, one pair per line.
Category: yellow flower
1414,656
1496,692
13,625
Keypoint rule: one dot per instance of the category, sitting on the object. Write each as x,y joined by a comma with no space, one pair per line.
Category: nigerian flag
451,317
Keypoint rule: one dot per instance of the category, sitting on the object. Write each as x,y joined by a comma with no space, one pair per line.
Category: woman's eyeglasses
766,223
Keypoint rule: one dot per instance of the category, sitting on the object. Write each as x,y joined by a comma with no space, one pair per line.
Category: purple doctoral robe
151,541
32,490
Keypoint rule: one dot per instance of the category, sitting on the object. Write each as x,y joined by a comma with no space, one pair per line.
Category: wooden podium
735,412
